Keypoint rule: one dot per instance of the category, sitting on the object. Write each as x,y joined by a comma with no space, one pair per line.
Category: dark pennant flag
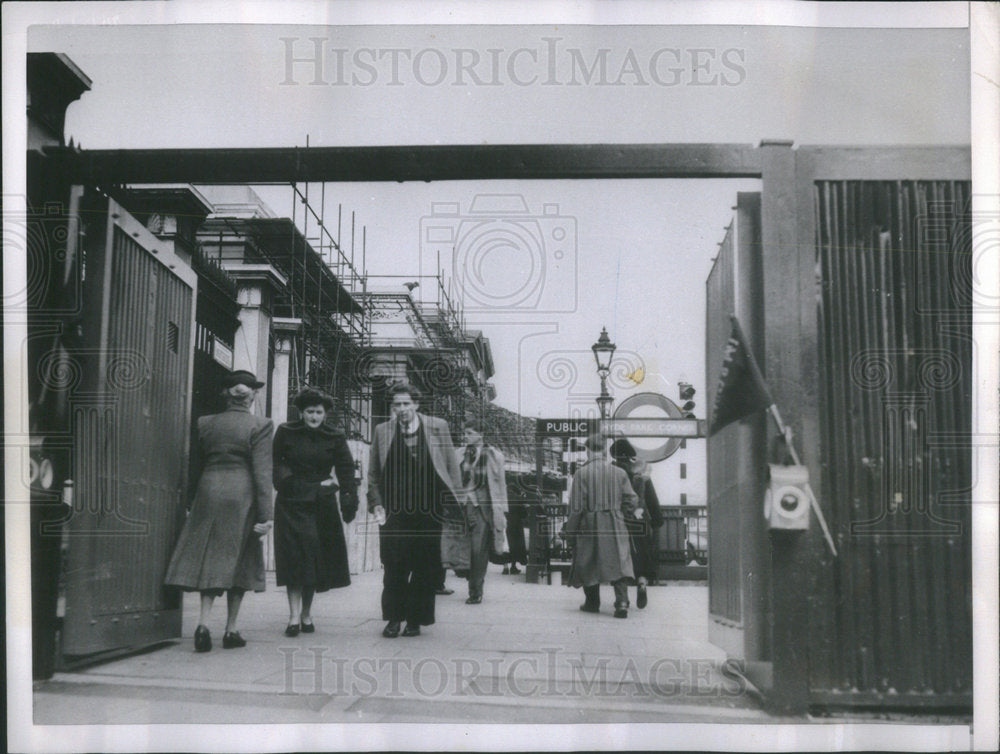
741,389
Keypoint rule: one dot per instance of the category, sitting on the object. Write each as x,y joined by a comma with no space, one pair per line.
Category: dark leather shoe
391,630
590,608
444,591
233,640
202,640
292,629
474,600
506,571
641,599
514,570
308,628
621,611
411,630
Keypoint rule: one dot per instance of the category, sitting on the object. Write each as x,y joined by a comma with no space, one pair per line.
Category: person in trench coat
310,550
413,484
600,499
219,549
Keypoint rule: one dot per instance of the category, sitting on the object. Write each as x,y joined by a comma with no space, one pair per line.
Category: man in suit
600,499
412,482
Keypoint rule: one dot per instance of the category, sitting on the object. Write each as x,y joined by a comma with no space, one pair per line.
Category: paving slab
526,654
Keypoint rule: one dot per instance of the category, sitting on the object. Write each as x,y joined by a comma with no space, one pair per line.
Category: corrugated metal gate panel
892,614
724,574
739,569
129,445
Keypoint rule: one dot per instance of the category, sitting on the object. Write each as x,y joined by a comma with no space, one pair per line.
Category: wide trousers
593,593
480,542
409,579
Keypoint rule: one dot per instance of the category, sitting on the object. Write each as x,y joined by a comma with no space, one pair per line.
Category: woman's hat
622,448
241,377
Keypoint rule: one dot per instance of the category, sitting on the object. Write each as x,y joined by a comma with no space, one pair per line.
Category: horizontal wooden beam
405,163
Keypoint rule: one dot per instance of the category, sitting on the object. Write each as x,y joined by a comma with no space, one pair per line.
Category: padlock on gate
786,501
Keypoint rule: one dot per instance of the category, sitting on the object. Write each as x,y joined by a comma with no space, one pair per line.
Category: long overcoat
218,548
456,545
599,500
642,531
310,549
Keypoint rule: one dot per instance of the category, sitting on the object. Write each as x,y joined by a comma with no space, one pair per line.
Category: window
684,471
684,498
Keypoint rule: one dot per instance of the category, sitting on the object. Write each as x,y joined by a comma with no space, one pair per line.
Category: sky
635,254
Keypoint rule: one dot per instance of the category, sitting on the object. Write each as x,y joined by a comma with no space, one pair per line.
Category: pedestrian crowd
438,507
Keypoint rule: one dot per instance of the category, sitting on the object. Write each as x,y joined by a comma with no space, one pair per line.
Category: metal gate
739,569
130,416
892,615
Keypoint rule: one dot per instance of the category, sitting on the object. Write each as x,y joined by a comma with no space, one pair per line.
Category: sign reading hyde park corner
641,427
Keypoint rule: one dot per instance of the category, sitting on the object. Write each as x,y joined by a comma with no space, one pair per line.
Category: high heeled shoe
640,598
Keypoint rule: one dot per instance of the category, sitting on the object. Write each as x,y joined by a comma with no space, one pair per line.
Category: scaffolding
323,289
418,318
332,351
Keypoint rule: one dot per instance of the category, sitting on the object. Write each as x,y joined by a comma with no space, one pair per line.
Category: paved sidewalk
525,655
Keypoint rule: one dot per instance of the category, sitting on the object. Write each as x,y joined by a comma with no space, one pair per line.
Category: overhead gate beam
405,163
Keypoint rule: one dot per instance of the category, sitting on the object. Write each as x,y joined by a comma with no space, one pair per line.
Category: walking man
485,487
600,499
413,484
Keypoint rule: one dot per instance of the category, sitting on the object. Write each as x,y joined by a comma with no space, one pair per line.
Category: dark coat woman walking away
310,550
641,531
219,548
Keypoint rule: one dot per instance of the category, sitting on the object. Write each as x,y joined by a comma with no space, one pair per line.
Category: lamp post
603,350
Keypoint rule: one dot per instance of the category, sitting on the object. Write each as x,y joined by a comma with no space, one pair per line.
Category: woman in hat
641,531
219,549
310,551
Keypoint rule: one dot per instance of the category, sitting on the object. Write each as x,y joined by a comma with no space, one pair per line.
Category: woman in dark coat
219,548
642,531
310,551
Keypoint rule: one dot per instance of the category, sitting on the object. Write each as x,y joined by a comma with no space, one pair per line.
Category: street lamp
603,350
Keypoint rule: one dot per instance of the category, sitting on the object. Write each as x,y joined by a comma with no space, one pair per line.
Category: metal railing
682,540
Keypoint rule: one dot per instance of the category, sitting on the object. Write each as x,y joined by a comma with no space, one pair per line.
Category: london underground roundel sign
641,400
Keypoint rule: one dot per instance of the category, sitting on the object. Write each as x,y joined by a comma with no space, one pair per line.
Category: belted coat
599,500
218,548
